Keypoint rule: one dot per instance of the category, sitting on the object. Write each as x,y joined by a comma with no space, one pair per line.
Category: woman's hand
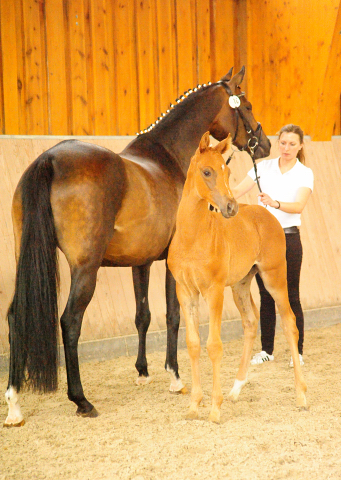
267,200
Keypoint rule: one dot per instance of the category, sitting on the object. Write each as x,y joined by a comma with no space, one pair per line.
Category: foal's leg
250,316
215,300
83,283
173,322
189,302
142,319
276,284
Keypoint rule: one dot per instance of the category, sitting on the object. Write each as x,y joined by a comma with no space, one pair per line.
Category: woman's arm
243,187
289,207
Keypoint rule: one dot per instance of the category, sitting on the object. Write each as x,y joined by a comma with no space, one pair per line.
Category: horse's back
264,233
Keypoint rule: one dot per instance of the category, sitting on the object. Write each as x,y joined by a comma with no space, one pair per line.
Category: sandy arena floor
141,433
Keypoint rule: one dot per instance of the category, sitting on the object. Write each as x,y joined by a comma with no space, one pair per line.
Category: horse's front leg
142,320
173,322
215,300
189,302
83,283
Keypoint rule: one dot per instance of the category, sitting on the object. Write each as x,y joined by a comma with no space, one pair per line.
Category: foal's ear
224,145
204,142
228,76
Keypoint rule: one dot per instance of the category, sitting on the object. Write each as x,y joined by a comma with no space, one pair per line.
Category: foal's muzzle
231,209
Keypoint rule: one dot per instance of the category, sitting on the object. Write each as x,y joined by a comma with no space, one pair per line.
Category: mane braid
171,106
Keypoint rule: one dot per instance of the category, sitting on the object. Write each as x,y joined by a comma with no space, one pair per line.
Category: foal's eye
207,173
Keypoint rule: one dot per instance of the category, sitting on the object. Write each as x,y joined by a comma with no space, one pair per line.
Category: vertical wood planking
203,35
328,108
185,54
78,68
101,87
222,38
240,34
61,77
58,112
9,83
35,69
147,62
167,67
125,68
21,82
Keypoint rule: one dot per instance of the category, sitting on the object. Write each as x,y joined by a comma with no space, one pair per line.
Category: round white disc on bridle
234,101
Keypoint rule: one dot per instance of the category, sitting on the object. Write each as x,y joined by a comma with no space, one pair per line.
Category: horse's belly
138,245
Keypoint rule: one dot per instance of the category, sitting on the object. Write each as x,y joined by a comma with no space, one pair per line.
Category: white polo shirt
283,186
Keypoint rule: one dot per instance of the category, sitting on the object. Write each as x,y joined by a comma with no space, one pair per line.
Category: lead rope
252,148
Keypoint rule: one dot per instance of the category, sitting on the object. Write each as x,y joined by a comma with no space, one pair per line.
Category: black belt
291,230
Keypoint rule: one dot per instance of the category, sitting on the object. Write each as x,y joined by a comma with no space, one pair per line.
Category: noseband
254,135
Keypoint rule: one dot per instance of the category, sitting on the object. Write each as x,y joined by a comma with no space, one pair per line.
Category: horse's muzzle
231,209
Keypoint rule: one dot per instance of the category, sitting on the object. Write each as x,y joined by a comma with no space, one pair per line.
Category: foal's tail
33,313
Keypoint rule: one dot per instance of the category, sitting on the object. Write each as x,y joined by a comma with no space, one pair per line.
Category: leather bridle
254,135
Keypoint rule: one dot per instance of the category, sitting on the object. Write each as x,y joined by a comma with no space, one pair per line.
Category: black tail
33,313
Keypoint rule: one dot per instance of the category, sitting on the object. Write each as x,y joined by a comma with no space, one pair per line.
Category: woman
286,185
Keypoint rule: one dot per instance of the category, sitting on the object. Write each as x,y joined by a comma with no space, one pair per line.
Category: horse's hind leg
83,283
249,314
275,282
14,417
142,319
173,322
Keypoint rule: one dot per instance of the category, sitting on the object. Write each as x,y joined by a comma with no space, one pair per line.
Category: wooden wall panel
58,97
9,99
167,64
35,68
203,36
329,98
222,38
111,312
110,67
125,68
185,46
146,47
287,59
103,65
77,25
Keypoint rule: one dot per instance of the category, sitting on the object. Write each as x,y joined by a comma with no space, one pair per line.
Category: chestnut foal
219,243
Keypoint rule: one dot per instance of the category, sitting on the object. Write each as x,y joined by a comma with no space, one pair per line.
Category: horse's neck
180,132
193,210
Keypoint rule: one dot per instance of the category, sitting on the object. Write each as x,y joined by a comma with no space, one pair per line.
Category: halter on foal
219,243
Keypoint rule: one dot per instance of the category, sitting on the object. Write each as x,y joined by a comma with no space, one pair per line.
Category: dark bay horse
104,209
218,243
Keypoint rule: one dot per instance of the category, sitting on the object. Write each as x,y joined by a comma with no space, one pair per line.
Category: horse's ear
224,145
228,76
237,79
204,142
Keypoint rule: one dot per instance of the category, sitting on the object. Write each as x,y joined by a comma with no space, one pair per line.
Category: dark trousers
267,304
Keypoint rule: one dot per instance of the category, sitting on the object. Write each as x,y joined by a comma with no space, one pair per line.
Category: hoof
10,425
91,414
192,415
214,417
143,380
305,408
182,391
233,396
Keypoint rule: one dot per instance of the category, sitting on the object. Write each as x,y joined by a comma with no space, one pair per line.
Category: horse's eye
207,173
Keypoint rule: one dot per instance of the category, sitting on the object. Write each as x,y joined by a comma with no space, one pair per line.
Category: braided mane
172,106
